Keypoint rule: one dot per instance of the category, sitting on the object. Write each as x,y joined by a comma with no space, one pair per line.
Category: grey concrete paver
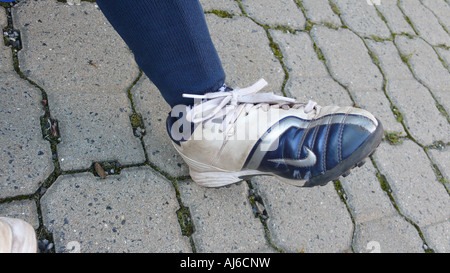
223,219
394,17
91,134
3,19
438,236
134,211
349,63
298,54
381,57
77,84
160,151
427,67
362,18
6,63
308,76
445,55
25,210
375,216
400,81
365,197
230,6
426,128
305,219
319,11
72,48
324,91
275,12
441,9
389,60
418,194
26,158
425,23
441,157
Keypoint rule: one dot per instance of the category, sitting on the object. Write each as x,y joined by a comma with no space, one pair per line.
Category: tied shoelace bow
228,105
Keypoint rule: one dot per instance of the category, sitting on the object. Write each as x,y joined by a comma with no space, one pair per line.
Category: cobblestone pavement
71,95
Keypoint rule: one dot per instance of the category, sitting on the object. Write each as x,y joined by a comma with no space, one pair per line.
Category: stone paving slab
305,219
308,76
439,236
6,63
229,6
362,18
364,196
26,159
25,210
275,12
391,59
131,212
319,11
425,23
388,235
440,9
425,201
90,133
350,64
426,129
445,55
377,221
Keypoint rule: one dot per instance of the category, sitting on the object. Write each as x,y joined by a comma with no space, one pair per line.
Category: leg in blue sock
171,44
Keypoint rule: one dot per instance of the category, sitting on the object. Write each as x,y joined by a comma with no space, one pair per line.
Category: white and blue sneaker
229,136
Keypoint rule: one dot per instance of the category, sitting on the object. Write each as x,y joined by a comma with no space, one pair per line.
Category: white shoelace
228,105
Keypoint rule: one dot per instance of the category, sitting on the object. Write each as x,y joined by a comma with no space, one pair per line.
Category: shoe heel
213,179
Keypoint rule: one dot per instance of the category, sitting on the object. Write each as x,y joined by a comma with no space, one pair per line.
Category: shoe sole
356,159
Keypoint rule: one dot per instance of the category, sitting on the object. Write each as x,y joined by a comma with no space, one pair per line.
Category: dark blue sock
171,44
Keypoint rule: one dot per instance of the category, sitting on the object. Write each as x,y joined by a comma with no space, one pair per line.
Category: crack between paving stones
388,190
343,197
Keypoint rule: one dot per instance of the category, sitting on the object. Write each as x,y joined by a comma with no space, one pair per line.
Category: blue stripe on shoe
325,143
